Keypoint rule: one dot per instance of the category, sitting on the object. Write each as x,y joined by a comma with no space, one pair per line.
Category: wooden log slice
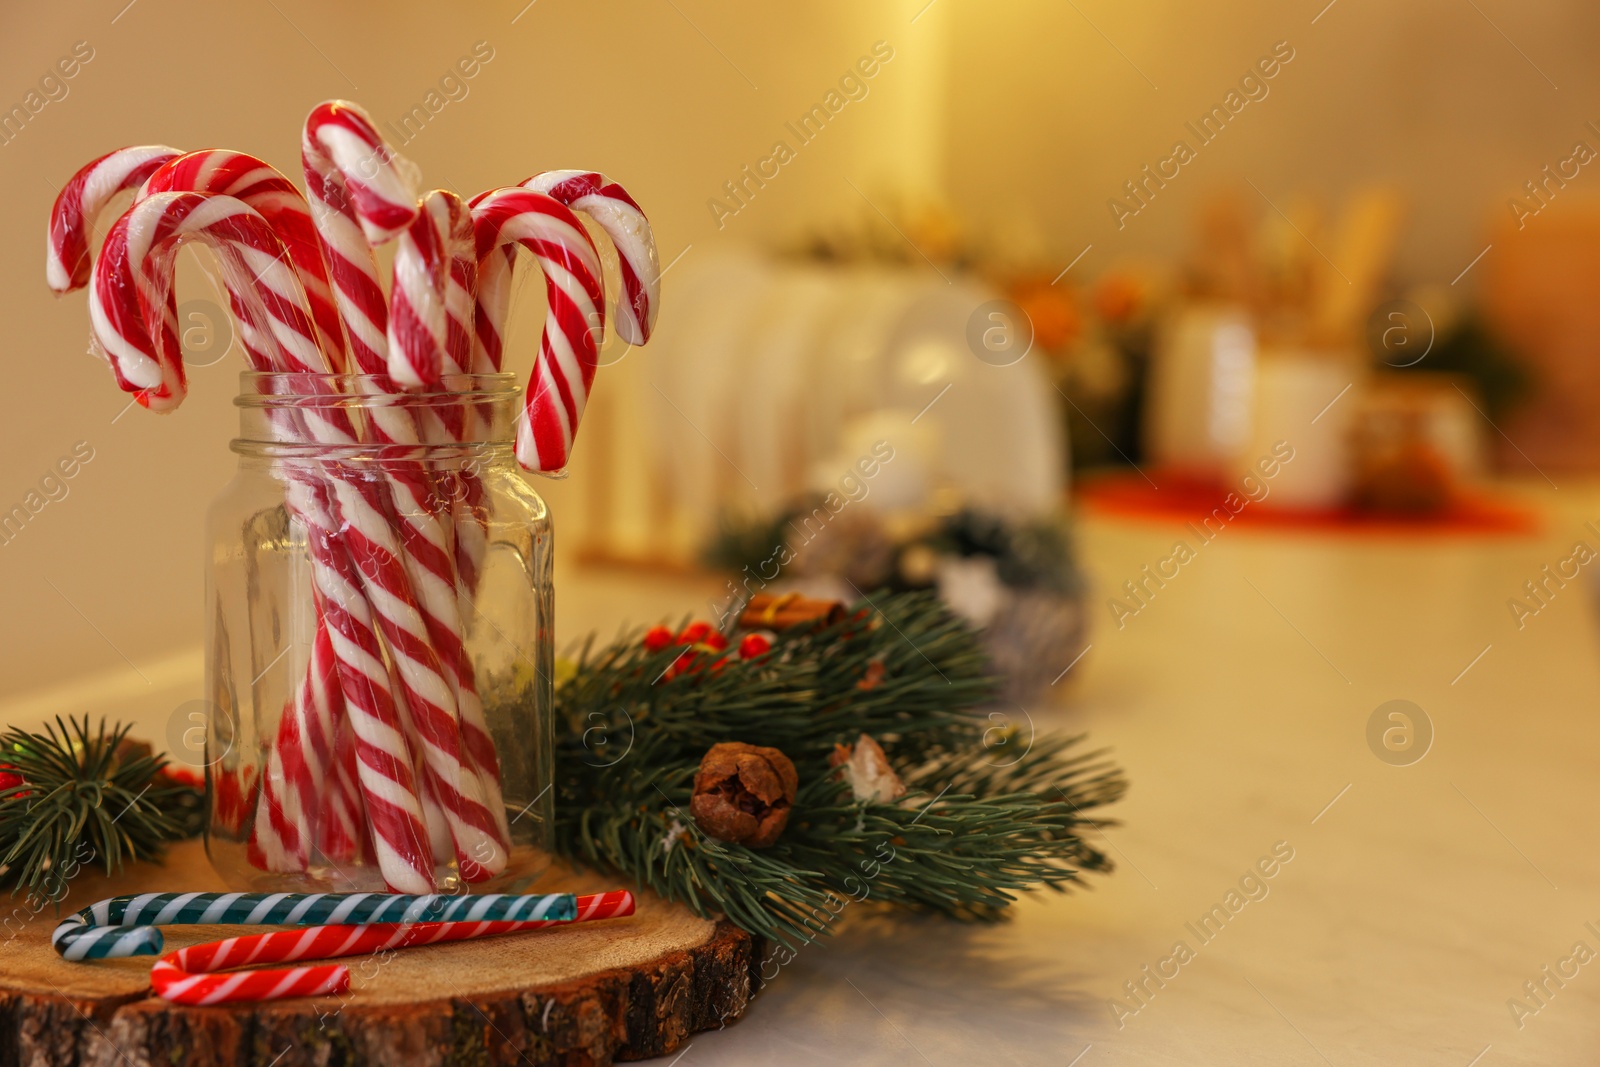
590,994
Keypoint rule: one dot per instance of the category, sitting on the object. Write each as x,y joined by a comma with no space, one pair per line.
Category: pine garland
977,826
71,798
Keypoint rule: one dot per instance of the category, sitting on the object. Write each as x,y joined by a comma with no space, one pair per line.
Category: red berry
9,779
657,637
683,663
694,633
184,776
715,641
754,645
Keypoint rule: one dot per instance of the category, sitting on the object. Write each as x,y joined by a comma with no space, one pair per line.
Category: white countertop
1415,905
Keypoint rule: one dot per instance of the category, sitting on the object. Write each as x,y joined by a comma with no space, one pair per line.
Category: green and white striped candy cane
126,926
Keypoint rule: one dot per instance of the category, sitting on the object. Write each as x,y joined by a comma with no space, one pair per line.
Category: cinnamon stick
767,611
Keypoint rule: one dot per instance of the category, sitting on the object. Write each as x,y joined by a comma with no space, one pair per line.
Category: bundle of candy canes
382,753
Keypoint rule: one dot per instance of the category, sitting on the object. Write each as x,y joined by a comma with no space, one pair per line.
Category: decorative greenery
1034,554
990,811
69,797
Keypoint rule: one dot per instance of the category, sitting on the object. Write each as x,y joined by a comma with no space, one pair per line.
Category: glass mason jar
379,655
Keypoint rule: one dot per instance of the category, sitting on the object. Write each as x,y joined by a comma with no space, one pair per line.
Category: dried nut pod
743,793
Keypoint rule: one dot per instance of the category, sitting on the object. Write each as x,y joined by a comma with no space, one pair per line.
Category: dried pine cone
743,793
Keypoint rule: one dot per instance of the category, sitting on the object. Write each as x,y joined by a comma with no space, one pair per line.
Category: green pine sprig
80,803
989,813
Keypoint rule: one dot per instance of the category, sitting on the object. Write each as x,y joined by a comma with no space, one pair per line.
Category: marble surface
1419,899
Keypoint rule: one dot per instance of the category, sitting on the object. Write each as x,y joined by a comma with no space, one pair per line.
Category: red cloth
1129,494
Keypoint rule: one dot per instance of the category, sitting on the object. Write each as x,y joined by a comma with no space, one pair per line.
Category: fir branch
977,827
81,798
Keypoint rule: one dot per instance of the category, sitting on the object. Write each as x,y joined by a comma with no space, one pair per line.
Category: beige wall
1051,120
1040,121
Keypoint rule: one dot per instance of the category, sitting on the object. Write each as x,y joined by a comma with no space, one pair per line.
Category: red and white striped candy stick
469,499
294,787
298,807
298,802
310,795
132,285
187,976
390,553
461,287
431,317
574,316
72,219
307,799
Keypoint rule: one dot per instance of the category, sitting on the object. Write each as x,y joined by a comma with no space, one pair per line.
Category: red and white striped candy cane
339,822
431,315
434,673
469,498
574,316
160,168
133,287
187,975
295,797
615,212
306,800
610,206
226,223
347,773
359,199
264,188
72,219
310,795
430,309
293,787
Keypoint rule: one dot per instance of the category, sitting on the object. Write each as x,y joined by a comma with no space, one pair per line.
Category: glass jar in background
379,645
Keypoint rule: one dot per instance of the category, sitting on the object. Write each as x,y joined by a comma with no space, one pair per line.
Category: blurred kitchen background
1320,268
